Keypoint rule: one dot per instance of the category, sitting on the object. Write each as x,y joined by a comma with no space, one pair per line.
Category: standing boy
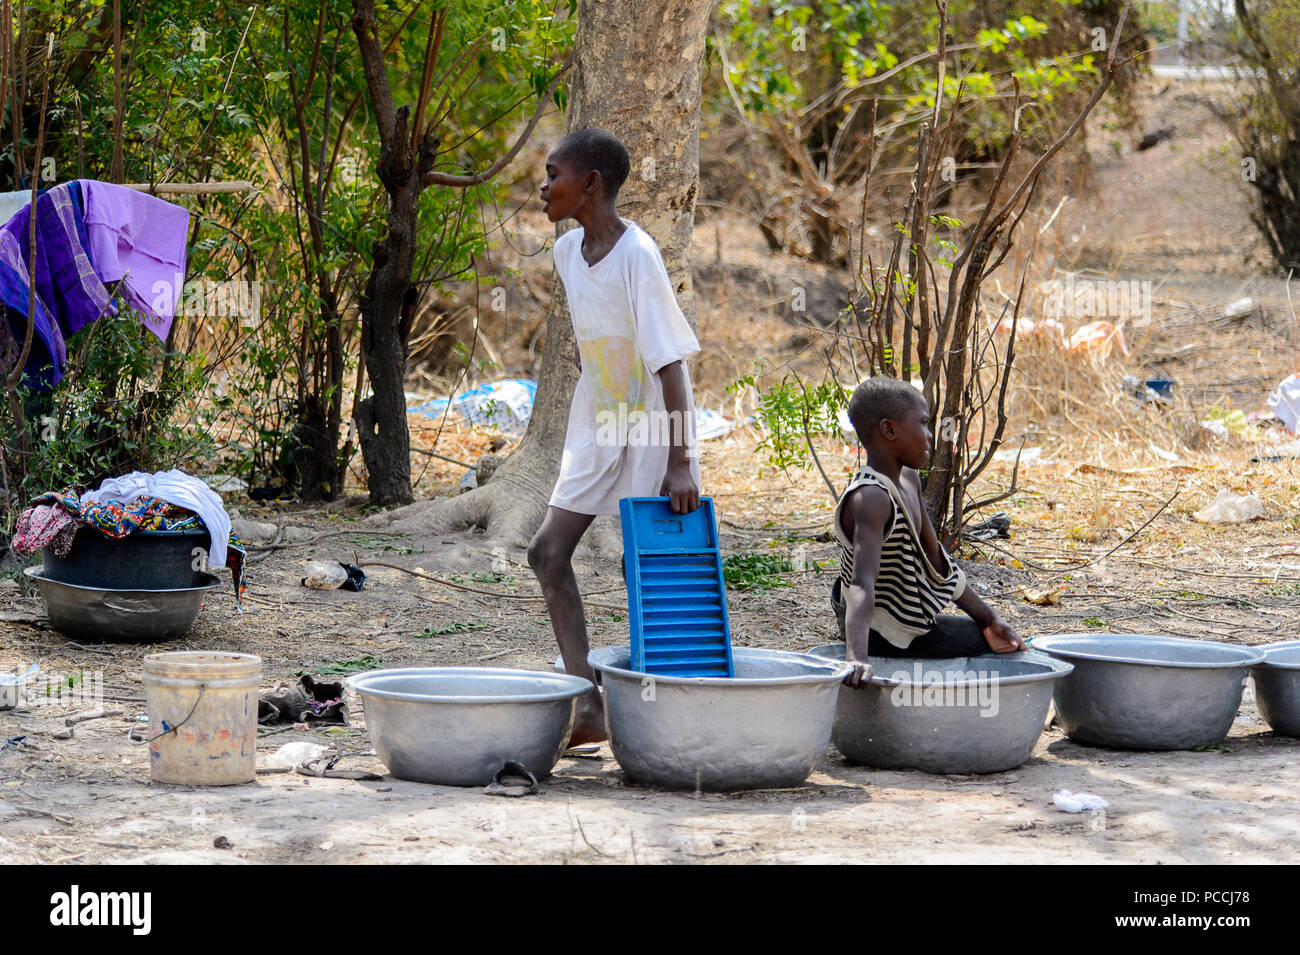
632,421
894,575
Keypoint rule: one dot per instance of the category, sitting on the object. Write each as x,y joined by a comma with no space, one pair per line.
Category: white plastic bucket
202,716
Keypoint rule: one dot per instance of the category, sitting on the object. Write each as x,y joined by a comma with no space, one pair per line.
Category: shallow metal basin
459,726
1277,687
1136,691
121,616
764,728
961,715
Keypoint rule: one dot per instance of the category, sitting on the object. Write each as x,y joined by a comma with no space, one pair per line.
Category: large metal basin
764,728
1148,692
459,726
121,616
962,715
1277,687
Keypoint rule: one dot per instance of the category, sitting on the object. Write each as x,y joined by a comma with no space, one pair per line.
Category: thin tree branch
435,178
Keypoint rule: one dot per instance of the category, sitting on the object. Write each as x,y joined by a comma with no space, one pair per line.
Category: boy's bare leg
550,554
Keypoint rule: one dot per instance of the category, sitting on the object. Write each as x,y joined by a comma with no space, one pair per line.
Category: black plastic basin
145,560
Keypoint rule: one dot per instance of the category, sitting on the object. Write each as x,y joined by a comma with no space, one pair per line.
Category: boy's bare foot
589,720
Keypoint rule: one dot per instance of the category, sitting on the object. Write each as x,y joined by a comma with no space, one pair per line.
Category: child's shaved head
877,399
597,149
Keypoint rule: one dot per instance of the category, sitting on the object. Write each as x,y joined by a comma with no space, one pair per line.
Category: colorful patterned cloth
44,525
117,519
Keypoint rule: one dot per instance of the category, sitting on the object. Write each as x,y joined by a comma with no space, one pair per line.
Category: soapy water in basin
749,668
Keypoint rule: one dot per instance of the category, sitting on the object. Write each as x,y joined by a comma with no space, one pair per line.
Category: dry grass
1070,403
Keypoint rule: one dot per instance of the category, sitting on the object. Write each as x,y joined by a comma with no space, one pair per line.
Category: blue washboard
676,597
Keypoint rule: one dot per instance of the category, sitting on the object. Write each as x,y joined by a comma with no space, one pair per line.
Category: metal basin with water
459,726
1277,687
962,715
121,616
764,728
1136,691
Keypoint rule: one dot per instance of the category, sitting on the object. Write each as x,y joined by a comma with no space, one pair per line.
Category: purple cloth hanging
66,283
69,295
141,237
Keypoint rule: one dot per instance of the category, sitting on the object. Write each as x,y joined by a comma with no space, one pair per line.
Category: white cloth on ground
174,487
628,327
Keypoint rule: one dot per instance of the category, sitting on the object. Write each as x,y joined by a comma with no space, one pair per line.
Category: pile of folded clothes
165,501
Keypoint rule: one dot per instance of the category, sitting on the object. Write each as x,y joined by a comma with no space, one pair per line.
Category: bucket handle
130,737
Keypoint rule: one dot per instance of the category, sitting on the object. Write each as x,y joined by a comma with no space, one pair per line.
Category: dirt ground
89,799
1079,521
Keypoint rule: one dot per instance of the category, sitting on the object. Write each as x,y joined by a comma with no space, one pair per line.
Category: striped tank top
910,591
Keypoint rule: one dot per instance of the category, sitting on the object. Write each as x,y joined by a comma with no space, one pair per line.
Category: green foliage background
274,93
219,90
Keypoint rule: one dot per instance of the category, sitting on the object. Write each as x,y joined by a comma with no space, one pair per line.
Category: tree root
508,510
476,590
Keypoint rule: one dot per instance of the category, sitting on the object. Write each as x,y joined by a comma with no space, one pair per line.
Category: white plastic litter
325,575
506,405
1216,427
9,678
1242,306
1285,402
11,686
1067,801
290,755
225,483
1285,449
1027,455
1230,508
710,424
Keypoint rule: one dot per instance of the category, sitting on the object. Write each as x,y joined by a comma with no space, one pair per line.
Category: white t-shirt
628,326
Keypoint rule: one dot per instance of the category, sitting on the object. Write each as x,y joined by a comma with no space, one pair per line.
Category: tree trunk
385,319
637,73
388,297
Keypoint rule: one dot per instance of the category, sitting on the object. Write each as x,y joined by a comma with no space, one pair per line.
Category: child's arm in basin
865,515
997,632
